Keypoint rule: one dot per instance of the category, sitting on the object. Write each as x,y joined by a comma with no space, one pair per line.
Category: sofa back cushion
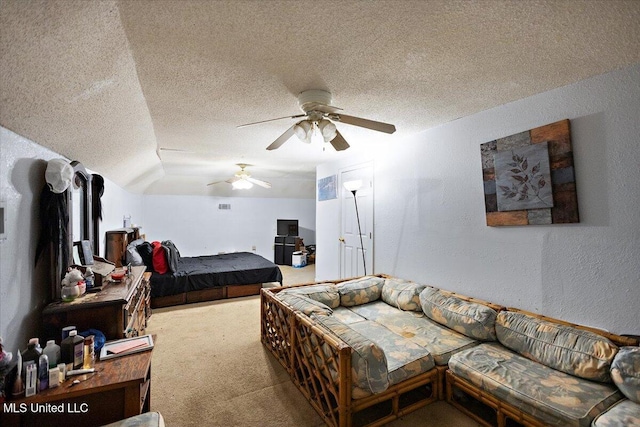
326,293
402,294
360,291
368,361
625,372
472,319
305,304
564,348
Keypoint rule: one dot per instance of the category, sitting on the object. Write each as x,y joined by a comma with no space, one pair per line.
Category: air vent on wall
224,206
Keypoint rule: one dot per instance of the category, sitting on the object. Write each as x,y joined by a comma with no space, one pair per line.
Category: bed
208,277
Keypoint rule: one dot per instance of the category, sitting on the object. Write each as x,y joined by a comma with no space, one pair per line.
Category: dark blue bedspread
210,271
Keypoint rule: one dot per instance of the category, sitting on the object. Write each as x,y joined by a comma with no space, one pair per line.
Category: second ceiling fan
319,116
242,180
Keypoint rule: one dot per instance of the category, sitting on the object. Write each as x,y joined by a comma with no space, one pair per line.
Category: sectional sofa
368,350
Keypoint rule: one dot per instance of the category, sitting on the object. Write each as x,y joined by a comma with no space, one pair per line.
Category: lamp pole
355,201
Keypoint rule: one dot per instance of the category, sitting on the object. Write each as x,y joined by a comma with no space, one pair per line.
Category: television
287,227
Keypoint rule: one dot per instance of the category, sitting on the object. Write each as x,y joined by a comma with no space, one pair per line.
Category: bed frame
212,294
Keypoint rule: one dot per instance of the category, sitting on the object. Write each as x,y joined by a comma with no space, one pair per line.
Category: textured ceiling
119,84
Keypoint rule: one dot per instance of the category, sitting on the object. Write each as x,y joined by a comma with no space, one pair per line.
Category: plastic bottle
52,350
72,350
38,348
30,354
89,278
89,355
43,372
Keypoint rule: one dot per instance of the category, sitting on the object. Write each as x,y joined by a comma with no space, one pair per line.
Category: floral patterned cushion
326,293
405,359
474,320
623,414
360,291
440,341
347,316
402,294
551,396
377,309
305,304
574,351
368,361
625,372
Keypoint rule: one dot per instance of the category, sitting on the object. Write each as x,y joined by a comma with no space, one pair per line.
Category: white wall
198,227
430,220
23,286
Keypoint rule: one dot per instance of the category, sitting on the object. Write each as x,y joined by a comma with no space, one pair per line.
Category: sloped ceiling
122,85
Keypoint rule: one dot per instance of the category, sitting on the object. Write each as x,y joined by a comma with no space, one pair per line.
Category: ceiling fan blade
281,139
232,180
214,183
259,182
339,143
364,123
271,120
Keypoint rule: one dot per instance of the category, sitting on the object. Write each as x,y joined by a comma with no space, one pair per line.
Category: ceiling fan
242,180
319,116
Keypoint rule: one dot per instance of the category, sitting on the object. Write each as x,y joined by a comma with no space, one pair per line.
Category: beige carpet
209,368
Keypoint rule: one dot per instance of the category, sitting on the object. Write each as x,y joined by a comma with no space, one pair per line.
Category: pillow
402,294
368,361
145,250
305,304
564,348
472,319
625,372
160,264
324,293
131,254
360,291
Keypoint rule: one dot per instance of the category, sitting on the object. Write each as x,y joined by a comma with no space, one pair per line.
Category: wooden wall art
529,177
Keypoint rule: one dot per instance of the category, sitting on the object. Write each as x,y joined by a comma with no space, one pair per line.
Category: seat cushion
360,291
377,309
474,320
574,351
346,315
554,397
368,361
622,414
402,294
625,372
440,341
405,359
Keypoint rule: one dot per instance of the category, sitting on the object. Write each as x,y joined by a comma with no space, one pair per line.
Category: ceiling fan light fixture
304,130
242,184
328,129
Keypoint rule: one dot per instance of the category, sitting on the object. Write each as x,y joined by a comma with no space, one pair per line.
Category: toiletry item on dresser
72,350
31,383
52,350
43,373
89,353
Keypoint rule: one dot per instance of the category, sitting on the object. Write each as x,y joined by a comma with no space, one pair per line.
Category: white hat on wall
58,175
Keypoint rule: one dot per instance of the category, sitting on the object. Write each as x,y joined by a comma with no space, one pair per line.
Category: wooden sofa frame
501,412
319,364
291,338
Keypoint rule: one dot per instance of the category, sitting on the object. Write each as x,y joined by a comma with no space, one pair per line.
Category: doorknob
341,239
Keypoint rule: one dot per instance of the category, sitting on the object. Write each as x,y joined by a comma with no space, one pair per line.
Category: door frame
362,171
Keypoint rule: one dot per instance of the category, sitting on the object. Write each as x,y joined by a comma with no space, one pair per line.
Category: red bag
159,257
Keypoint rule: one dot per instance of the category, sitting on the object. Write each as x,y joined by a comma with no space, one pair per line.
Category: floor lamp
353,187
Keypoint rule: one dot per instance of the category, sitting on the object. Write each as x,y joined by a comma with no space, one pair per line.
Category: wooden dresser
117,241
119,310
